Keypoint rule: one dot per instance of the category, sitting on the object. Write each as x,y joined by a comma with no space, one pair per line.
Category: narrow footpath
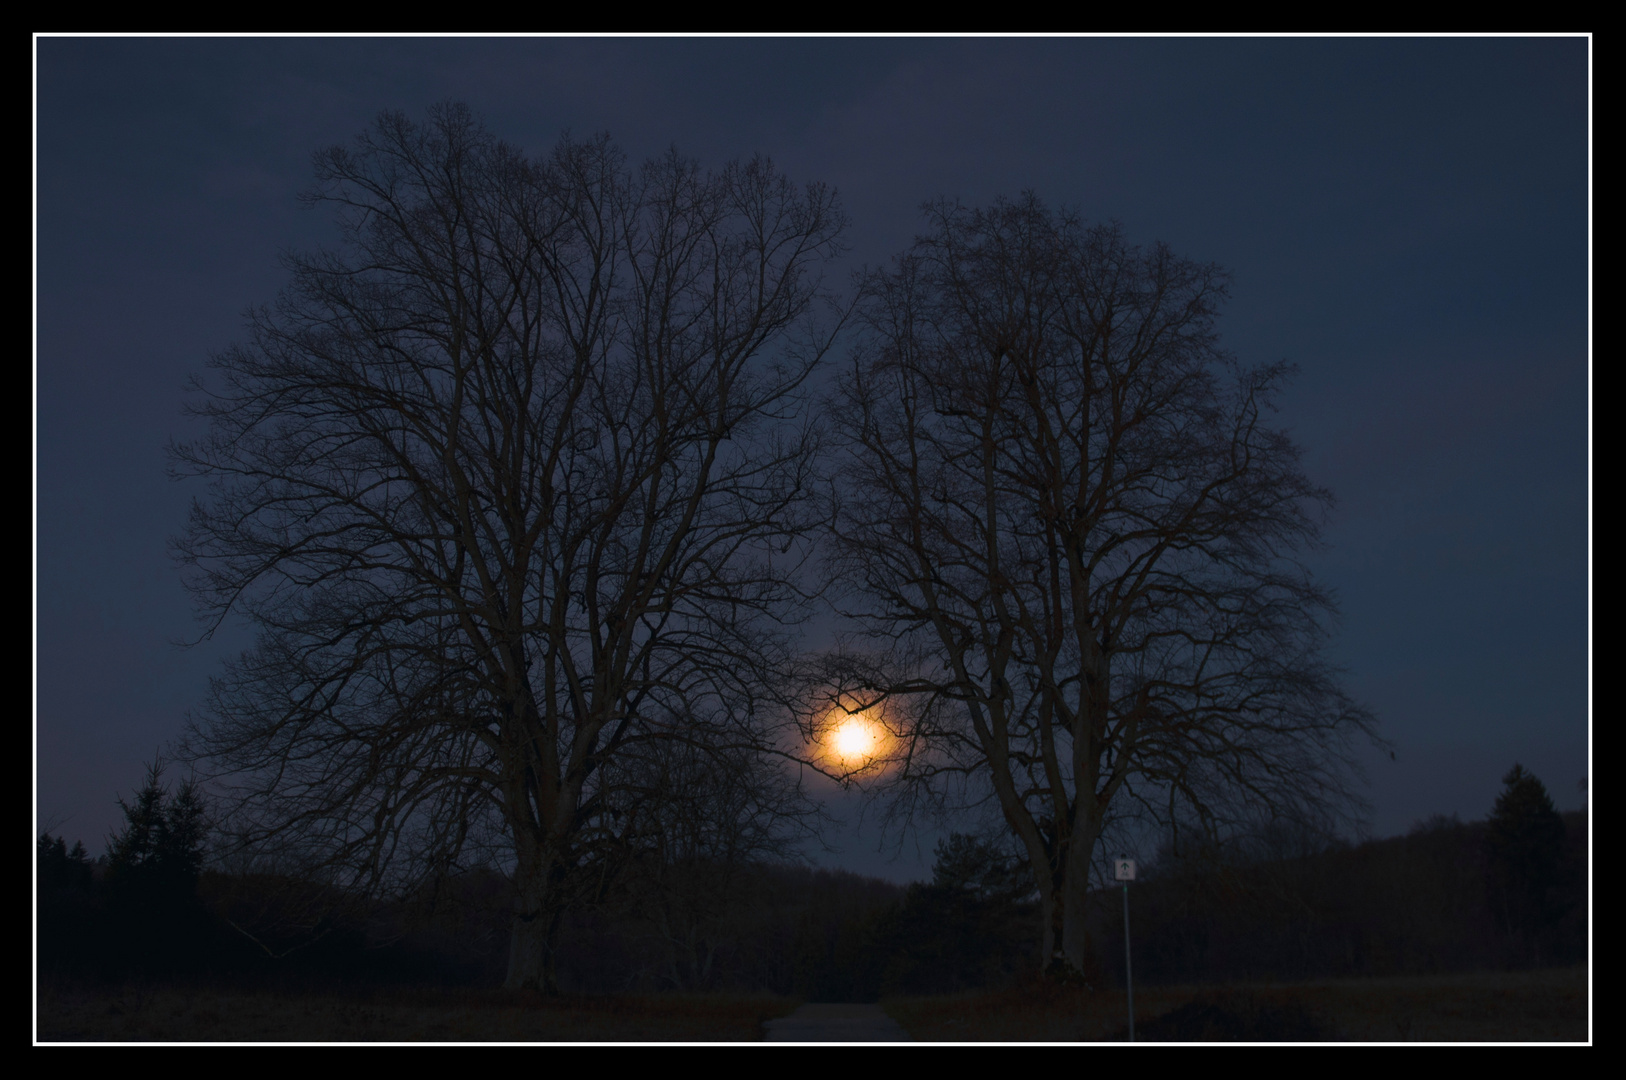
835,1023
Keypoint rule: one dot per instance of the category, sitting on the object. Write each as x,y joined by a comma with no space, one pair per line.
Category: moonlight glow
855,739
855,742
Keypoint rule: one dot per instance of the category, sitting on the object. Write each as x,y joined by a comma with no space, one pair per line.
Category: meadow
1506,1006
1548,1005
142,1012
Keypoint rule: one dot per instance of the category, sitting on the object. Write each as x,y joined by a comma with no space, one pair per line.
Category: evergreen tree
65,905
1524,840
181,842
160,848
974,865
967,928
61,867
132,851
151,919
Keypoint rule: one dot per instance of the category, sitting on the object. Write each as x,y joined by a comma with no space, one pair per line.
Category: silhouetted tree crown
1524,839
974,865
1523,821
162,841
512,484
1070,537
60,866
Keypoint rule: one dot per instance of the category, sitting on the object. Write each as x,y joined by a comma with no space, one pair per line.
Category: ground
77,1012
1531,1006
1527,1006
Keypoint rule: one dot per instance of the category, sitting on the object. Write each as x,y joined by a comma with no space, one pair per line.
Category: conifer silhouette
160,847
1524,841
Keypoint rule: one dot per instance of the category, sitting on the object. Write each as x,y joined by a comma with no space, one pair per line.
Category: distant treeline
820,934
1435,900
1507,892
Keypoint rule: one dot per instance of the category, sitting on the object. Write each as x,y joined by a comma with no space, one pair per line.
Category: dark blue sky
1406,220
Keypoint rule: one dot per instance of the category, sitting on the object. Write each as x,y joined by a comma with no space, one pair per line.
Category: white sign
1123,868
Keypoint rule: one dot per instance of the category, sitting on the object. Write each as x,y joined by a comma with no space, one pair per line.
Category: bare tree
511,483
1073,530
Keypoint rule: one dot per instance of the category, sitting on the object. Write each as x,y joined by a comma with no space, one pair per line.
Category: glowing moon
854,739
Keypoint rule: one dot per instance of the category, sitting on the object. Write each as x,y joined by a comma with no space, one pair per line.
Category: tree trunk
1050,953
532,944
1065,907
1075,946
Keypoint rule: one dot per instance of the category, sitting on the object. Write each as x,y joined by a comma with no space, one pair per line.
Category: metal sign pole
1129,975
1124,870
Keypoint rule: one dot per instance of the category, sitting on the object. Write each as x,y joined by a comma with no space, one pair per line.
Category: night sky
1406,220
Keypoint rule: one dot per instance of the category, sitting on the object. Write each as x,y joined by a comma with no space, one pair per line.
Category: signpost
1124,870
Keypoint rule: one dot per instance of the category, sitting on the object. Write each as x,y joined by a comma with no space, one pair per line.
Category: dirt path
835,1023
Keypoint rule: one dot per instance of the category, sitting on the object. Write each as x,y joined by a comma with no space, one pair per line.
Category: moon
854,739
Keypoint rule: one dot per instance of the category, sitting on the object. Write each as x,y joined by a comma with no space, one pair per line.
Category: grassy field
1526,1006
1532,1006
81,1012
